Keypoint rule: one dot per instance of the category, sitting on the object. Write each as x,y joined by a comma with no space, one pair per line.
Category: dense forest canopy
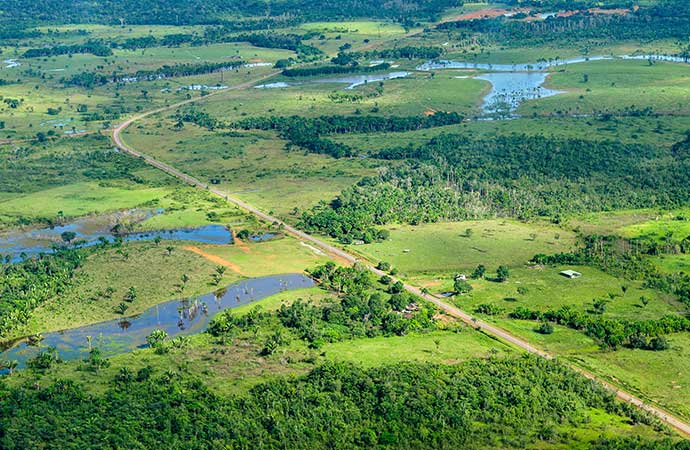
453,177
481,404
184,12
666,20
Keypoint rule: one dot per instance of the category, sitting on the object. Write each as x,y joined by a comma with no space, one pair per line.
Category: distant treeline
666,20
97,48
193,12
333,70
92,79
307,132
285,41
407,52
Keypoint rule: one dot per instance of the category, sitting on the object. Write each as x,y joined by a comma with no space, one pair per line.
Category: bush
545,328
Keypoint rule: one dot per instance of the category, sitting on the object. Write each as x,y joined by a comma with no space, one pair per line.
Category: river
179,317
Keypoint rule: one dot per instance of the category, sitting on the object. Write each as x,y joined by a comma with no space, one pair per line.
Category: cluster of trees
333,70
26,285
488,403
307,132
200,118
92,79
362,309
610,333
97,48
663,20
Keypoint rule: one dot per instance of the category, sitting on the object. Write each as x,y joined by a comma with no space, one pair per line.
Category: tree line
333,70
663,20
94,79
97,48
307,132
610,333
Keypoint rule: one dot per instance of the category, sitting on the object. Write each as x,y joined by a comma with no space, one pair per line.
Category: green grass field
617,86
446,248
252,166
79,199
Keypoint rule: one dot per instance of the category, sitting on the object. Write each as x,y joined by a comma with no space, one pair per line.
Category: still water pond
91,231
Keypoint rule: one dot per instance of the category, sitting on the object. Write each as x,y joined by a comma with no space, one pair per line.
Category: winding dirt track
674,422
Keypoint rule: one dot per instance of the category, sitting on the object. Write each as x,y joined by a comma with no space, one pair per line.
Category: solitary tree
131,294
68,236
156,340
461,286
478,272
502,273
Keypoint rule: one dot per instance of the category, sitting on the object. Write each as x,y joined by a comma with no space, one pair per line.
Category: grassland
44,89
255,167
252,166
616,87
78,200
448,247
624,129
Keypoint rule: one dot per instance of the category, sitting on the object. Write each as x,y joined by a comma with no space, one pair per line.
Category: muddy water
176,317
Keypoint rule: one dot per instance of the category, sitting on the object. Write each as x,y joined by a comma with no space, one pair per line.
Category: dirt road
674,422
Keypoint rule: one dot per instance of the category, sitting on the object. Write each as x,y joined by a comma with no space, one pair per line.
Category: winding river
176,317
